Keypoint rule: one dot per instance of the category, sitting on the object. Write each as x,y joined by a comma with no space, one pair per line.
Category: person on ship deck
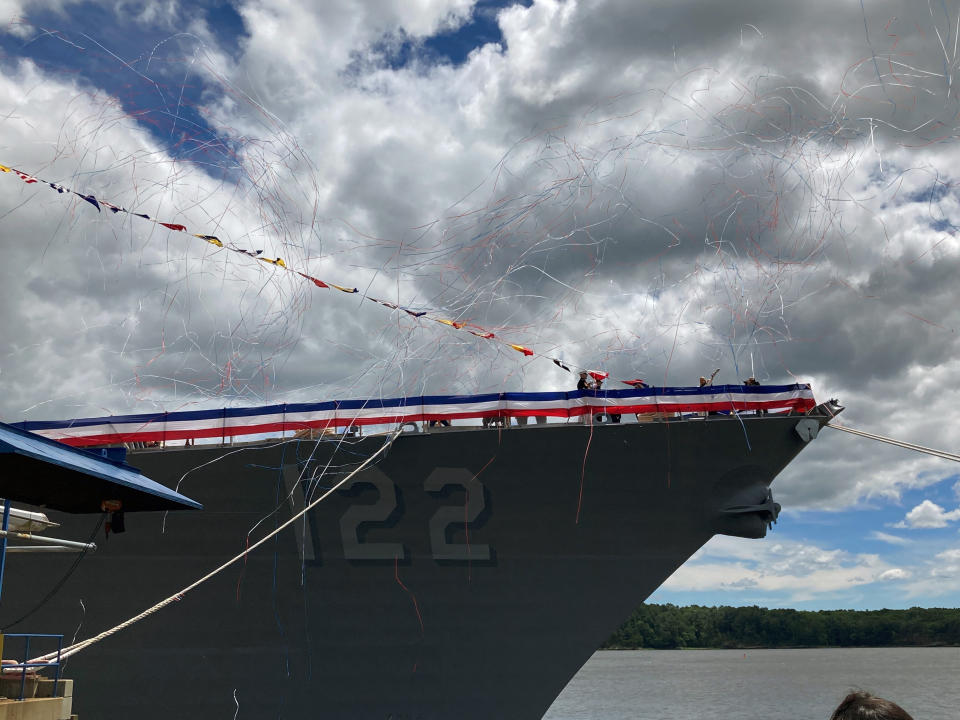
705,382
752,381
584,383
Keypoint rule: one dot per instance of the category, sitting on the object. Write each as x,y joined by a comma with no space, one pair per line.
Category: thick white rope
899,443
77,647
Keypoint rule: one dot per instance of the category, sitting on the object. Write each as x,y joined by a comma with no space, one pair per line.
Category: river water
758,684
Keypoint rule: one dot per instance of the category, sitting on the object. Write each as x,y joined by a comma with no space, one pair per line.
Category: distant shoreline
670,627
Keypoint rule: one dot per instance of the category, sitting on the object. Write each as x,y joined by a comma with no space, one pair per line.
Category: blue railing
26,666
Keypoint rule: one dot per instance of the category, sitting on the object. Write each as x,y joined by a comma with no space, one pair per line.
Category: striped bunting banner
230,422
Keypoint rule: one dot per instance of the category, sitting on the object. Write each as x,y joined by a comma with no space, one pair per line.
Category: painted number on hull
378,512
458,515
388,511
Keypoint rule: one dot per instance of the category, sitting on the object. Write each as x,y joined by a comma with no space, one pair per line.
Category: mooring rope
899,443
77,647
82,645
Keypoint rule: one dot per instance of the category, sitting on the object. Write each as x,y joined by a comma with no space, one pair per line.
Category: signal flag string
257,255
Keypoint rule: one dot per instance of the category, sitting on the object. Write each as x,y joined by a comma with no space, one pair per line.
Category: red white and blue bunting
337,414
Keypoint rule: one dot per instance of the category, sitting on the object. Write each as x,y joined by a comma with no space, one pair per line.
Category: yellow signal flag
212,239
278,261
521,348
4,168
343,289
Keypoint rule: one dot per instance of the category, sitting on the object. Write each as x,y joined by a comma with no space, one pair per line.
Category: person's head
860,705
583,375
703,381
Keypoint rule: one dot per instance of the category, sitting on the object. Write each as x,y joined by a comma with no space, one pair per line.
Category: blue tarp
48,473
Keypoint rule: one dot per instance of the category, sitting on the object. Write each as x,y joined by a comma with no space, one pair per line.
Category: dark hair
860,705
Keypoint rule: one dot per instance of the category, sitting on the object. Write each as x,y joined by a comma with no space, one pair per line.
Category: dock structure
47,473
49,700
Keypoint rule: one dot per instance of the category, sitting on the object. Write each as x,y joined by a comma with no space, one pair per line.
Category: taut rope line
899,443
77,647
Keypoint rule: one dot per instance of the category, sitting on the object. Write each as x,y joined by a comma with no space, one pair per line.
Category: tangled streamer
563,249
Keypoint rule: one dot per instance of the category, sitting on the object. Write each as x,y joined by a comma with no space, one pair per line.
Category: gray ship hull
467,573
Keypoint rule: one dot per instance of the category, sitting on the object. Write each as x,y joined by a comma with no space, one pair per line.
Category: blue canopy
39,471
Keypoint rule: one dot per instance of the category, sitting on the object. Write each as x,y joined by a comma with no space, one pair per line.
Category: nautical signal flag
212,239
318,283
475,330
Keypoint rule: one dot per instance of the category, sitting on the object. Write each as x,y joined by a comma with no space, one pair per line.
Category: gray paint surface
453,578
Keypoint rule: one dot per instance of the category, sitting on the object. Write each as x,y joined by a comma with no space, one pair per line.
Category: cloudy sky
657,189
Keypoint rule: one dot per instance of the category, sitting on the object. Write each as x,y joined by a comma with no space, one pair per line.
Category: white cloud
936,577
9,10
888,538
112,308
928,515
11,19
840,470
796,571
894,574
790,572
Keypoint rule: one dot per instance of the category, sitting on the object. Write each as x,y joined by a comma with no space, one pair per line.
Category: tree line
671,627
